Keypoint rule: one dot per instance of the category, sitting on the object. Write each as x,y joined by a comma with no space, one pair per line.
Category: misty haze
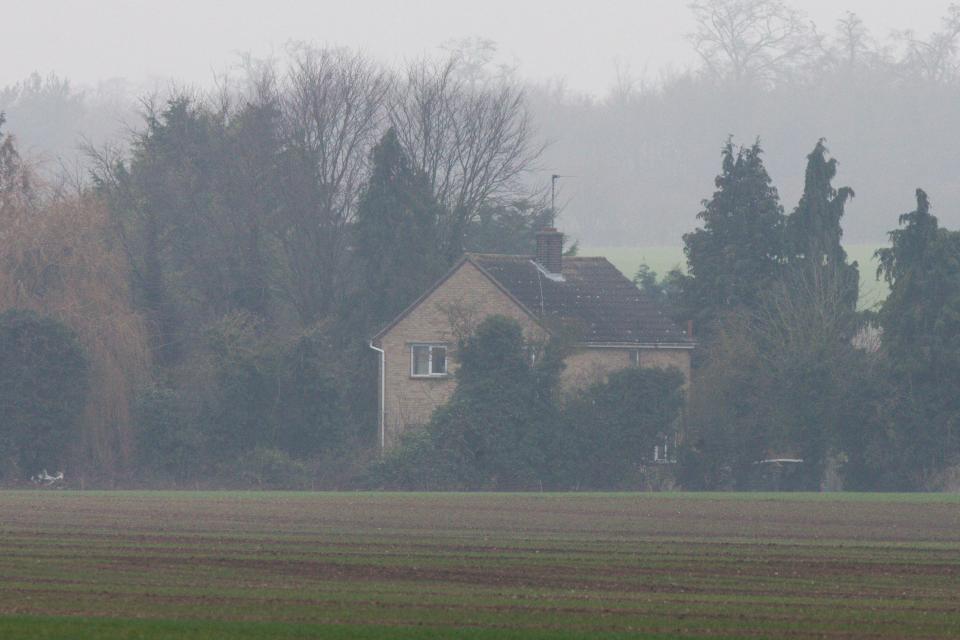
432,320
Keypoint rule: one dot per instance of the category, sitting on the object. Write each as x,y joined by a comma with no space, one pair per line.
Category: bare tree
854,40
782,379
473,56
806,311
473,141
751,40
626,86
57,258
935,58
852,48
332,103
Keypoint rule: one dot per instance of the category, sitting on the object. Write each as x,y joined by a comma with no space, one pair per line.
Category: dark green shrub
43,389
238,417
309,414
283,395
169,443
498,431
267,468
418,464
612,427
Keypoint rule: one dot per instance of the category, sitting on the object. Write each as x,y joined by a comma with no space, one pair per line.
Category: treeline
639,152
222,277
174,325
788,368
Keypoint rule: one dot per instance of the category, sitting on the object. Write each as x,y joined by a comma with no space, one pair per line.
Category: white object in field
46,479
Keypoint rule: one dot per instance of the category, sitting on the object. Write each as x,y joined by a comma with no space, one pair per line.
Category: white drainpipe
382,421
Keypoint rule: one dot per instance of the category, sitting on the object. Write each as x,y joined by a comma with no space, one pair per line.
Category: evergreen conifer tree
740,248
921,335
922,267
396,233
814,231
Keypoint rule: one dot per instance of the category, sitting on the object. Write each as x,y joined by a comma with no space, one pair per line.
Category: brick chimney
550,250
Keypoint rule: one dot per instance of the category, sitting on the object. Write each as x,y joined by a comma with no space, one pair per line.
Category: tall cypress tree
814,232
921,335
396,235
921,316
739,250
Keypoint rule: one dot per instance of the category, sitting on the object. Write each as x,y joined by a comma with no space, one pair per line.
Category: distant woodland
884,102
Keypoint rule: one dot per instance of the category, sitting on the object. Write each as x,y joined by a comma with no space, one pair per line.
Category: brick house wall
586,366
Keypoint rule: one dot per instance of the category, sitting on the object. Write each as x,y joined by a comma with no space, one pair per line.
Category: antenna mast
553,197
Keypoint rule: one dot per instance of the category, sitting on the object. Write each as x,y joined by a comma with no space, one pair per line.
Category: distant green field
662,259
241,566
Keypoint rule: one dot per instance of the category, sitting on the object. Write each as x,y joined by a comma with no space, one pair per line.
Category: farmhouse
612,323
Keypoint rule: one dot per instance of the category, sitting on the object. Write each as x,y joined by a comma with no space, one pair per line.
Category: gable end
441,281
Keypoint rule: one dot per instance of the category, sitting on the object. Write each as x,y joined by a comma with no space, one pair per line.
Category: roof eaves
640,345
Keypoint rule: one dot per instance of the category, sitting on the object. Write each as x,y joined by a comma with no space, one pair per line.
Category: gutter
639,345
382,408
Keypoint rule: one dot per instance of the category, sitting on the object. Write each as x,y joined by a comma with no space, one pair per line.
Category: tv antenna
553,196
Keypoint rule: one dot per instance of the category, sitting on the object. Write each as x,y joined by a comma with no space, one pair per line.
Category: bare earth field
368,565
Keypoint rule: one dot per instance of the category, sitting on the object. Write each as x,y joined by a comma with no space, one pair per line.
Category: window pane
439,355
421,361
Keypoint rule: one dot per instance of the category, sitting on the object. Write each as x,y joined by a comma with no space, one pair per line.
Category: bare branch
333,108
751,40
935,59
473,140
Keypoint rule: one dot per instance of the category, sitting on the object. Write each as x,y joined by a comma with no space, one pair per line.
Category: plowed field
368,565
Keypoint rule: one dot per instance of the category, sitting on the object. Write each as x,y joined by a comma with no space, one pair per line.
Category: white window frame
430,346
665,453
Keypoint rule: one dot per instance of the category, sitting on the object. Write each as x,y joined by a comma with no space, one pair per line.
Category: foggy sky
152,42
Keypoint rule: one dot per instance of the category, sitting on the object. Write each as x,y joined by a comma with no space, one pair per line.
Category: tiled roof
601,302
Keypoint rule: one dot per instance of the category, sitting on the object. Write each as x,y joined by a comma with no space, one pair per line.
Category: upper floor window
428,360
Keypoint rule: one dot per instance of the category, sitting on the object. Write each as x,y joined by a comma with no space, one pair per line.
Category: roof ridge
529,256
478,254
